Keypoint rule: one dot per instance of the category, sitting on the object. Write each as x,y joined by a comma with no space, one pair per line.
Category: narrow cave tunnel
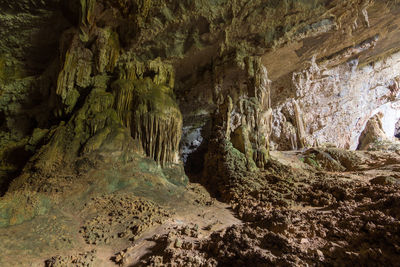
199,133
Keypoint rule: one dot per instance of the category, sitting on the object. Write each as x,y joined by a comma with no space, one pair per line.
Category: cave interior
199,133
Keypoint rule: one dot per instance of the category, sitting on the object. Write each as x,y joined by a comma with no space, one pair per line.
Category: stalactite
292,136
224,119
145,104
123,94
76,70
162,74
157,121
165,73
87,11
108,50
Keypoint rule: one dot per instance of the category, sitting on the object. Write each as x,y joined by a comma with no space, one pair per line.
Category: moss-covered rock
20,206
320,159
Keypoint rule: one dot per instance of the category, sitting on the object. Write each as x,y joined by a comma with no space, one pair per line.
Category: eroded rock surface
120,216
327,218
105,104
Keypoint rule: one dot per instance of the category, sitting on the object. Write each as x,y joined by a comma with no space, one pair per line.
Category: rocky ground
317,217
316,207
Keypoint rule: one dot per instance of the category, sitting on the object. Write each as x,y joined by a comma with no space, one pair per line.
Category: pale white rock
335,102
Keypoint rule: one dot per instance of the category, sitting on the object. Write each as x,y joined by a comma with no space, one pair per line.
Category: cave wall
391,117
334,103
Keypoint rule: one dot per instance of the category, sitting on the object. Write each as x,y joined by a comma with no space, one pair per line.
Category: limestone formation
111,110
157,121
146,105
372,133
76,71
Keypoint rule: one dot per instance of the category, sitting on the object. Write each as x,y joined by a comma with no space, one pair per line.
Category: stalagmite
373,135
301,133
263,115
252,109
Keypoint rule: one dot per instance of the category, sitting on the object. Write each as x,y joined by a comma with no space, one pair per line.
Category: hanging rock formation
147,106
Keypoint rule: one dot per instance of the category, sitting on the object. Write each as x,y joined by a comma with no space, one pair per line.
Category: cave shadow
397,130
194,165
36,59
45,42
17,157
194,170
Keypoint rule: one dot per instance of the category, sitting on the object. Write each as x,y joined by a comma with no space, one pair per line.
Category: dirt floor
316,207
94,233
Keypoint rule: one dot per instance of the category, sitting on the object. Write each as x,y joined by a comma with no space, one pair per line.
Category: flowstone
146,105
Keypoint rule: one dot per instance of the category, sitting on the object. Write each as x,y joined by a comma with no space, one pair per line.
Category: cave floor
319,217
61,232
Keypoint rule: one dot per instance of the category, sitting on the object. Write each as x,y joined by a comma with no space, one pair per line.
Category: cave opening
194,146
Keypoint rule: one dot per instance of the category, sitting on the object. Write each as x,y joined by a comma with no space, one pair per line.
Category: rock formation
127,103
372,133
